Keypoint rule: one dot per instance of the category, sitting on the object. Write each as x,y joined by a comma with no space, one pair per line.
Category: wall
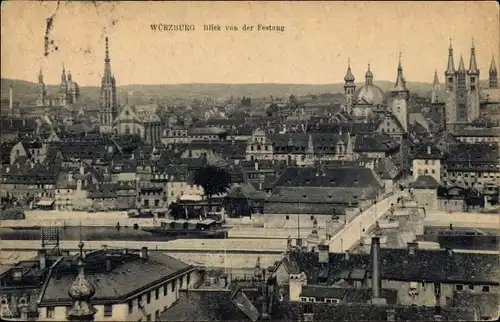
462,219
451,204
426,167
352,232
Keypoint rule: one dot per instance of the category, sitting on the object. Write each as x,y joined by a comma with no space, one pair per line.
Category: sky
318,40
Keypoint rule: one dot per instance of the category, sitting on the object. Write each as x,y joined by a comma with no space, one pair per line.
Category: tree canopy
214,180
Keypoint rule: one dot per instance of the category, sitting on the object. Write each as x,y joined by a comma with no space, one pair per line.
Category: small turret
369,76
473,70
493,79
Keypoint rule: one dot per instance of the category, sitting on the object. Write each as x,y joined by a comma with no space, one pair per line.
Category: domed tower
493,79
369,76
349,87
81,292
400,95
473,86
450,70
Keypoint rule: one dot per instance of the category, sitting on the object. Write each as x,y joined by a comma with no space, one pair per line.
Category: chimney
265,298
17,273
376,279
82,170
105,248
451,226
412,247
256,165
323,253
391,315
42,258
429,149
10,98
108,264
449,250
347,256
70,176
144,253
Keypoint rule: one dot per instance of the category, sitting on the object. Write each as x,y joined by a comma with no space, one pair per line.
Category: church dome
369,94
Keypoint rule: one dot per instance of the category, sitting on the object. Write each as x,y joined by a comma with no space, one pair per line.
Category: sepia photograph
249,161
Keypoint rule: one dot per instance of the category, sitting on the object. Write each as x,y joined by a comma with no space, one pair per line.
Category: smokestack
144,253
42,258
108,264
10,99
376,280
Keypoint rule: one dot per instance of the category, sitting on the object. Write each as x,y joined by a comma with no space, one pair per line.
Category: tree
214,181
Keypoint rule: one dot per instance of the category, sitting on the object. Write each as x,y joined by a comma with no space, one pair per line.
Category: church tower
400,95
349,88
461,93
493,79
63,88
81,292
42,92
436,86
450,70
108,107
473,86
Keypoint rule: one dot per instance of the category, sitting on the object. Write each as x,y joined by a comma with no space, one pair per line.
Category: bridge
463,220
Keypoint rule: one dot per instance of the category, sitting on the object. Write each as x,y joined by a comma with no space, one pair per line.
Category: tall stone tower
436,86
108,106
461,93
493,79
42,92
349,88
399,98
472,87
450,71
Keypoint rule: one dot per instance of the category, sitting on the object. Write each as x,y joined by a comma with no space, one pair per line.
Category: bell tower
400,95
473,86
349,88
108,106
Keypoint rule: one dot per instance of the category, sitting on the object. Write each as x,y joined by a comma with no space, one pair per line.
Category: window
157,293
148,317
287,217
165,290
312,217
173,286
108,310
148,297
188,279
181,281
130,306
459,287
50,312
157,315
471,287
485,289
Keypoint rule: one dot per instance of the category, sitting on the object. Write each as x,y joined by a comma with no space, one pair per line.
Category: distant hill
26,92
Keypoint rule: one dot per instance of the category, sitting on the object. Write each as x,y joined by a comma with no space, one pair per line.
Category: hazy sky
314,48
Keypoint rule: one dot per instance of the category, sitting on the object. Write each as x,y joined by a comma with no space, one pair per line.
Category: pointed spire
81,291
349,77
461,66
107,51
400,85
436,79
473,64
493,67
450,70
40,76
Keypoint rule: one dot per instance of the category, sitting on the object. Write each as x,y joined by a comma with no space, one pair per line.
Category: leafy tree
214,181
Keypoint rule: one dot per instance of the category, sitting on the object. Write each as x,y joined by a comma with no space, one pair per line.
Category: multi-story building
427,160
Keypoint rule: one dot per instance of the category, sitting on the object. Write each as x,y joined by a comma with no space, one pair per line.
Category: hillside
26,92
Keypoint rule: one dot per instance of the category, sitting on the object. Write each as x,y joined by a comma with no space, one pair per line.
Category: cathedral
369,102
68,94
108,105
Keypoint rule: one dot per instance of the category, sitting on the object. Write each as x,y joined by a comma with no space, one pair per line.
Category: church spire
493,79
81,291
400,81
461,66
63,74
436,79
450,70
107,64
473,64
349,77
40,76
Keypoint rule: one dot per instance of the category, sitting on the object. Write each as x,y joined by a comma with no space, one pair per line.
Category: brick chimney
376,279
412,247
144,253
42,258
323,253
